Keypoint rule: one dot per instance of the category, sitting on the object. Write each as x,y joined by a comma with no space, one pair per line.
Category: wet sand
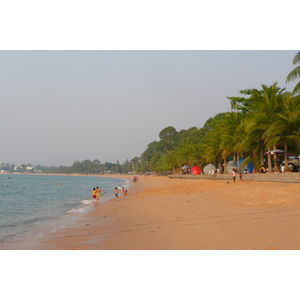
185,214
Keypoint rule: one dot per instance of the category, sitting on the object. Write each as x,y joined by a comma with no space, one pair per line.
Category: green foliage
213,122
266,118
295,73
241,104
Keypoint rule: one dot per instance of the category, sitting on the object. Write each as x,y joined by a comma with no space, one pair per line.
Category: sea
33,205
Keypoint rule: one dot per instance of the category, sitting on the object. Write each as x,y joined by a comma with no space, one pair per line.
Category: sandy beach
185,214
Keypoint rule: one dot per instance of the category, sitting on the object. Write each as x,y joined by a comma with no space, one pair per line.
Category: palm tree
189,152
163,165
251,145
253,136
265,106
231,134
212,143
286,127
295,73
253,151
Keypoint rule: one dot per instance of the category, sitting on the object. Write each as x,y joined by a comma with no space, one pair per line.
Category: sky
61,106
100,81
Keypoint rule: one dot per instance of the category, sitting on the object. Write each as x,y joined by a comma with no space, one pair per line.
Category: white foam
90,201
127,184
76,211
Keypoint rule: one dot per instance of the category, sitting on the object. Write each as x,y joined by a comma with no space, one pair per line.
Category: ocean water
30,202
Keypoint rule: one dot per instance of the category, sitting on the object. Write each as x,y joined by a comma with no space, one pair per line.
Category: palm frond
296,58
293,74
296,88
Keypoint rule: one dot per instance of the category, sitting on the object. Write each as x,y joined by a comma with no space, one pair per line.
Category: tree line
260,120
81,167
96,167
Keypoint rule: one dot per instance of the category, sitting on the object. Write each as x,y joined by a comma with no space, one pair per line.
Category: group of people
235,171
217,171
116,192
96,194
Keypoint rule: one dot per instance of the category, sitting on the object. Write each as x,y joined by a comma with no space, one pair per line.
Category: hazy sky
62,106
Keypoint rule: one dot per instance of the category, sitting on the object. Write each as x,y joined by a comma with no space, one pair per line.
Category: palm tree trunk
254,162
262,153
276,168
286,164
270,169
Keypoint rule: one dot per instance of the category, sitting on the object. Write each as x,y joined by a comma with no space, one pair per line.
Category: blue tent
249,167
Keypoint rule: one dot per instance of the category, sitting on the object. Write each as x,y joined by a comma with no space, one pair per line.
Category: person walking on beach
94,194
116,193
98,193
240,173
233,175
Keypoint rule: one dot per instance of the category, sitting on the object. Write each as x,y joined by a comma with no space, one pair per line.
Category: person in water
98,193
94,192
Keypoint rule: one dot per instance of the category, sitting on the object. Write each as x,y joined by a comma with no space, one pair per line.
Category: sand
186,214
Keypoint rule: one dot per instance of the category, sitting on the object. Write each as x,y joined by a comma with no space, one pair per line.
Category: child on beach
240,173
116,193
233,175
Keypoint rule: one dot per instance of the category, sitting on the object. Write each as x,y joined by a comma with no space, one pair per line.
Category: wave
86,201
24,223
78,210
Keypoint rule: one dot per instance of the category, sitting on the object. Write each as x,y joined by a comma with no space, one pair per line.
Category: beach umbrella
276,151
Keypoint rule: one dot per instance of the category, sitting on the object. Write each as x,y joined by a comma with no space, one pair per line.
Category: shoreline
164,214
33,235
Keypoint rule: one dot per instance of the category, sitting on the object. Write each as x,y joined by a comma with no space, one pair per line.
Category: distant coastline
77,174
